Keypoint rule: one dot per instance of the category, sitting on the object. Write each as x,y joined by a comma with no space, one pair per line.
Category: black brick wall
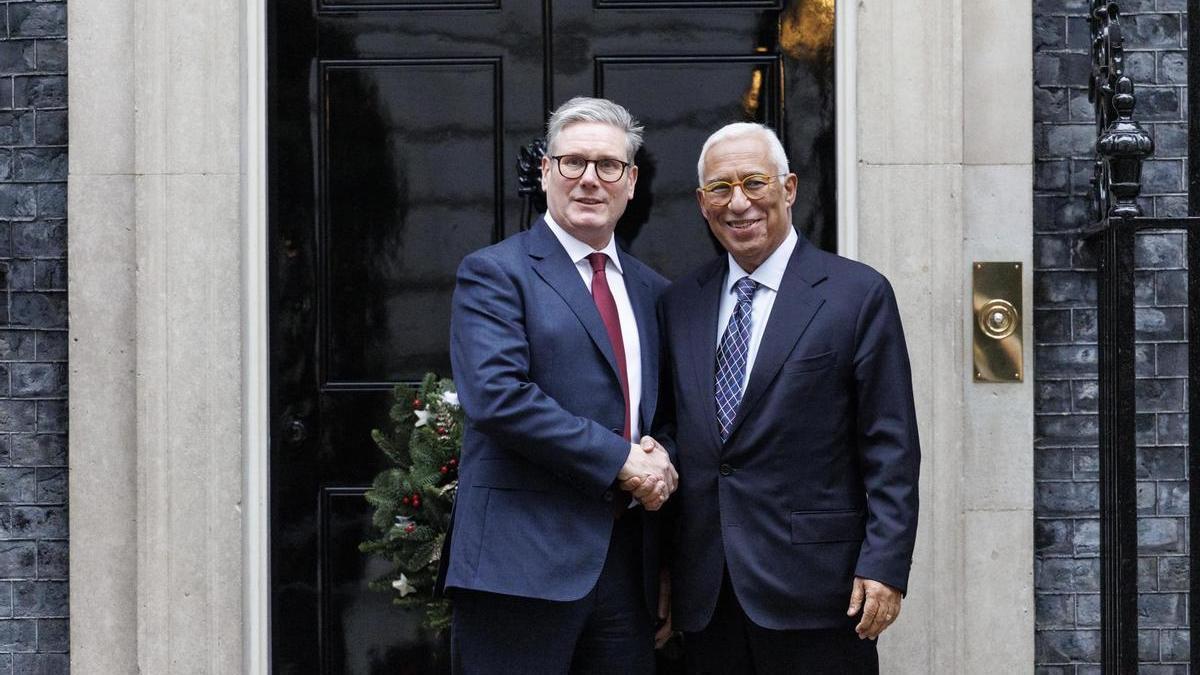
1067,573
33,338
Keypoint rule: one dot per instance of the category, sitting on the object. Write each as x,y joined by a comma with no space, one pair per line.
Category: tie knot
745,288
597,259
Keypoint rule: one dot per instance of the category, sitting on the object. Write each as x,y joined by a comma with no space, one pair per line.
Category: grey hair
739,129
585,109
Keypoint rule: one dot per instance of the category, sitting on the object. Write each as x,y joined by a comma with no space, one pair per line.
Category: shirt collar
770,272
578,250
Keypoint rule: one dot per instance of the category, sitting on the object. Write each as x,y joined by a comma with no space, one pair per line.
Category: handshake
648,474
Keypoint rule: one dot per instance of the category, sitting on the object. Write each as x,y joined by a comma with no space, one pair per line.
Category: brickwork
33,338
1067,572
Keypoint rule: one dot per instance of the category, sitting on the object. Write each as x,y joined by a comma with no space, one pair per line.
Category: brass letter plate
998,316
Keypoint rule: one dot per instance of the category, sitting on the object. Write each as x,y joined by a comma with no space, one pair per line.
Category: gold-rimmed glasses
754,186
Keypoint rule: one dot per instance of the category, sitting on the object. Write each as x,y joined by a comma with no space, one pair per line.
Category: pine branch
412,498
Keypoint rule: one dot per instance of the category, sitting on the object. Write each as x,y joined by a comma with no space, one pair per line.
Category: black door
394,128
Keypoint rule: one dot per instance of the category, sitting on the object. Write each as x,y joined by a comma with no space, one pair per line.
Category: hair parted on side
587,109
739,129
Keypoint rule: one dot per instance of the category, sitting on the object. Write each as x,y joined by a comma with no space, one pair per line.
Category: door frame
256,356
256,566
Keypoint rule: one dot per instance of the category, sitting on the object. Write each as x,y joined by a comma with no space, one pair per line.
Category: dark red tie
603,297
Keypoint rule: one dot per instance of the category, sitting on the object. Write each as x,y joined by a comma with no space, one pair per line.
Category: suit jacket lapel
702,340
641,297
553,265
795,305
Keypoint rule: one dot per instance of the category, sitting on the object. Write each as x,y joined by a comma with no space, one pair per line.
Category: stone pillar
945,179
997,459
156,323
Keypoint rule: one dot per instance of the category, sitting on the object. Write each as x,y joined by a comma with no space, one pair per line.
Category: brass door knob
998,318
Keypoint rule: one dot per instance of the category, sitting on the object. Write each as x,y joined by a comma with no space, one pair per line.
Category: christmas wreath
413,498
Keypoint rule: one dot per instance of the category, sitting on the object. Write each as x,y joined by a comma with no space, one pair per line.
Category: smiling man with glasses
795,431
589,178
554,345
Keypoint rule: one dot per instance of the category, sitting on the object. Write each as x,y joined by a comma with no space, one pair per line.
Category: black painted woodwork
394,132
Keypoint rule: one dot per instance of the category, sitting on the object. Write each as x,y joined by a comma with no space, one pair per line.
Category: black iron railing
1122,145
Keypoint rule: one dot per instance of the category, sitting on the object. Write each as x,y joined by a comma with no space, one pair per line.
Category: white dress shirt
578,252
768,275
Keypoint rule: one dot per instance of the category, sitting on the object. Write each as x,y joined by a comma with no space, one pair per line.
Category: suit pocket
508,474
819,527
808,364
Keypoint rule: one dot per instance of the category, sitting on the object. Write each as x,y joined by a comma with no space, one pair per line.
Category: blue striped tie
731,356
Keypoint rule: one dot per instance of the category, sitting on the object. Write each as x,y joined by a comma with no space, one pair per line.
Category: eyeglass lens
720,193
607,169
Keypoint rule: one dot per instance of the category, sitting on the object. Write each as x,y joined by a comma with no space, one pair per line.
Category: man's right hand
648,474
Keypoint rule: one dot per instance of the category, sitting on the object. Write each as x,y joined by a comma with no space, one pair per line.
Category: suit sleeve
888,446
489,352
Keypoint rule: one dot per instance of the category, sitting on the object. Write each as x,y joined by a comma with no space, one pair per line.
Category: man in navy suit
554,345
795,432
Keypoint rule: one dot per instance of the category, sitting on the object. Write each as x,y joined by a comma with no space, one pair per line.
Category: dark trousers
732,644
606,631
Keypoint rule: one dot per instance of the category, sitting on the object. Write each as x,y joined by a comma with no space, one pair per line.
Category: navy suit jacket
537,379
817,481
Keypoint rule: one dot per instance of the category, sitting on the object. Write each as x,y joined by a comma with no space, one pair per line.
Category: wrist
626,471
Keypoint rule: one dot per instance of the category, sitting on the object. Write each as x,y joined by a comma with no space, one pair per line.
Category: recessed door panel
369,633
401,5
411,184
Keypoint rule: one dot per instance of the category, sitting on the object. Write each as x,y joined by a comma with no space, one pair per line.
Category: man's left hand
880,606
650,492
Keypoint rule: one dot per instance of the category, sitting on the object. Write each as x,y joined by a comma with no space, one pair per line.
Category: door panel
394,132
409,190
366,632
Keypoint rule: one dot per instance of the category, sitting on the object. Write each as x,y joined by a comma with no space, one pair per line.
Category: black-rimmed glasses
573,166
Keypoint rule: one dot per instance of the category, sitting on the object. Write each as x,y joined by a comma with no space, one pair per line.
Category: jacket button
608,495
725,470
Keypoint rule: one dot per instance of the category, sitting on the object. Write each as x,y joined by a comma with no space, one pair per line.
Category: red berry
410,527
416,403
404,501
453,462
444,469
441,431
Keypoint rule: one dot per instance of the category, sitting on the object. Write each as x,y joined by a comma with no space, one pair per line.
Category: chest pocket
810,364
